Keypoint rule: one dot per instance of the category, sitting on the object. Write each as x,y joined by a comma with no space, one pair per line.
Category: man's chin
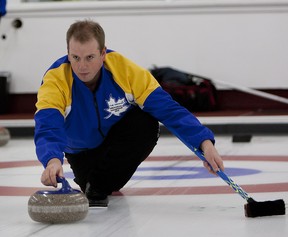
85,79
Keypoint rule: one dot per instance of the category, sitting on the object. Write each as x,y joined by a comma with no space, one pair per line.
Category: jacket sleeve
148,94
49,135
181,122
53,100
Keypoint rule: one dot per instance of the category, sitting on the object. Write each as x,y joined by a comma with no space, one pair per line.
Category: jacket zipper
98,116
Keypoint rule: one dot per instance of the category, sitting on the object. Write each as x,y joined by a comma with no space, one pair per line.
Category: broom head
267,208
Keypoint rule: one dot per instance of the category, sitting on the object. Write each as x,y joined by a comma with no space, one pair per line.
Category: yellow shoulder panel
132,78
55,91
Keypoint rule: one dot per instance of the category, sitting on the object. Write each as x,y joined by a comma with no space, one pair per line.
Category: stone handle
66,188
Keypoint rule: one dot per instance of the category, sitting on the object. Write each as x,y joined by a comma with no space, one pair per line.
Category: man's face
86,59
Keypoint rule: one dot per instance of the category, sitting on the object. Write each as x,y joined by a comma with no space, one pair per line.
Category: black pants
111,165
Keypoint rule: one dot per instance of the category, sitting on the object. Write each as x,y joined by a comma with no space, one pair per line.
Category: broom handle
246,89
254,92
226,178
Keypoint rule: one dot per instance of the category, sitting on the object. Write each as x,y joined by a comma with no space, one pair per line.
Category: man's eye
76,58
90,57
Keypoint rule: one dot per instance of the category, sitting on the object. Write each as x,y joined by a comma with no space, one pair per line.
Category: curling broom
252,208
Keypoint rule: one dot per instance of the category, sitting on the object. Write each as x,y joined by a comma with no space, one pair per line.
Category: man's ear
103,53
68,56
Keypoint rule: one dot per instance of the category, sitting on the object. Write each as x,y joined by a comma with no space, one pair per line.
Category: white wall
241,42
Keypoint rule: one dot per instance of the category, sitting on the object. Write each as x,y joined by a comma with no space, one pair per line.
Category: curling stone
58,206
4,136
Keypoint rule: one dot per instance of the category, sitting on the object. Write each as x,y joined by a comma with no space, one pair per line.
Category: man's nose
82,64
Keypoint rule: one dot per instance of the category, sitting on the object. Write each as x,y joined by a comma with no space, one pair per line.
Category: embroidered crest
116,107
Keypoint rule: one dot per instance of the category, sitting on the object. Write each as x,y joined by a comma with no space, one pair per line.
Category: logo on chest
116,106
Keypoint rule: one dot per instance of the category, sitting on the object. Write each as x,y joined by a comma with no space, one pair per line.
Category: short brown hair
84,31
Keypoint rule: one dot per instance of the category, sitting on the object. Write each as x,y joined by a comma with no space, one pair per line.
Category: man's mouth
83,74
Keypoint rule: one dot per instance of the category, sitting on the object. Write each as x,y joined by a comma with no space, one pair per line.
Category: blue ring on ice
187,173
191,173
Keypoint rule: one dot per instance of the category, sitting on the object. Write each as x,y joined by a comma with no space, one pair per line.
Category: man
101,111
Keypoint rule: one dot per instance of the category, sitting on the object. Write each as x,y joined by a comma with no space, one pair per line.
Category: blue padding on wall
2,8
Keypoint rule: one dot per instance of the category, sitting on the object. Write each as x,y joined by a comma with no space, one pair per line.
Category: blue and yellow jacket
70,118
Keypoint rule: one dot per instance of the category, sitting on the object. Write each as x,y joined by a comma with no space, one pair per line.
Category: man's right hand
54,168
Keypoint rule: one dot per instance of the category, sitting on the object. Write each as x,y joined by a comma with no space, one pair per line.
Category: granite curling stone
4,136
64,205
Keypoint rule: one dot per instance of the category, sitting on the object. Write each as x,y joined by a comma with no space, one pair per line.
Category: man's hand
54,168
212,157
